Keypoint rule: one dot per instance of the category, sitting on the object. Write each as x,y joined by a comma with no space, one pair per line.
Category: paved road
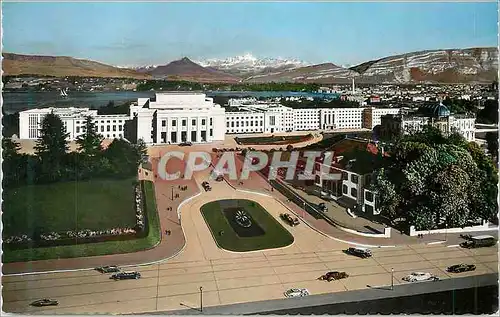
232,278
345,297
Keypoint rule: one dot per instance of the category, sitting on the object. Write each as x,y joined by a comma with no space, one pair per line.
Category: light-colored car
420,277
297,292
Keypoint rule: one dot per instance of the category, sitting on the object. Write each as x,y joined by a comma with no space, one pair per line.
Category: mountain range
432,66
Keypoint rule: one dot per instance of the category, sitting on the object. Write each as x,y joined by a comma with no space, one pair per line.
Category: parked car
108,269
420,277
185,144
359,252
291,220
126,276
45,302
462,267
479,242
333,276
322,207
297,292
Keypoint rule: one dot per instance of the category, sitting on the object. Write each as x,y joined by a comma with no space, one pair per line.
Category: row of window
184,122
244,124
108,128
244,118
101,121
354,191
244,130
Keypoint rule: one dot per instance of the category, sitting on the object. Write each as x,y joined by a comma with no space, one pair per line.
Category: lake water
19,101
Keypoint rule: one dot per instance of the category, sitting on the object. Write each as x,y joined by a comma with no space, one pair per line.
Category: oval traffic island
243,225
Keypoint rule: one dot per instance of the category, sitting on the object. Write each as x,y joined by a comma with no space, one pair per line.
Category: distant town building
435,115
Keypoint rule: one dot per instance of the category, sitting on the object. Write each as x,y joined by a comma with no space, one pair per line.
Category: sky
146,33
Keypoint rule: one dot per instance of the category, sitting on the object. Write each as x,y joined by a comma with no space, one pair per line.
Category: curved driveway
228,277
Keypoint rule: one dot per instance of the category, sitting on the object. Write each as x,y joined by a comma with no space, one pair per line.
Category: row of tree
320,103
185,85
52,162
433,181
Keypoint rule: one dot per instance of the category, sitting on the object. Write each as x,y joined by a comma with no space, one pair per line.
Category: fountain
242,219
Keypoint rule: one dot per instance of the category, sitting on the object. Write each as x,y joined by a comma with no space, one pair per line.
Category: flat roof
197,92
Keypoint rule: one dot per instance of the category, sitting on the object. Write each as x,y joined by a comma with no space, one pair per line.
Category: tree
489,114
492,143
123,158
51,147
90,141
141,151
434,182
13,164
10,148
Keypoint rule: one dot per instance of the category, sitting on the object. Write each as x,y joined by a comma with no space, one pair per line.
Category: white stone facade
176,117
110,126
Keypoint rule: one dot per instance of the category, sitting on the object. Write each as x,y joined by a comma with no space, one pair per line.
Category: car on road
206,186
45,302
108,269
185,144
322,207
479,242
297,292
462,267
289,219
359,252
333,276
126,276
420,277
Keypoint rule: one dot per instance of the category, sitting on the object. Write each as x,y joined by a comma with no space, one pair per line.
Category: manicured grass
101,248
94,204
275,236
278,140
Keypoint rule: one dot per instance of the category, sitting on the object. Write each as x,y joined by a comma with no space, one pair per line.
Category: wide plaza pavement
228,277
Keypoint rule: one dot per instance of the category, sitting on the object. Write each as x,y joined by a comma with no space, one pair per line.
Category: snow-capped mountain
248,65
145,69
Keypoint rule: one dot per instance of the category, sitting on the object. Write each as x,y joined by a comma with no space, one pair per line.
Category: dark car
322,207
291,220
479,242
185,144
206,186
45,302
333,276
108,269
126,276
460,268
359,252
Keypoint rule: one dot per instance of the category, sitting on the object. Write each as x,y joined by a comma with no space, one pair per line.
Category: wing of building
175,117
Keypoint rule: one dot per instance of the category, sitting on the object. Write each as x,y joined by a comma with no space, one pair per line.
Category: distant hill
433,66
321,73
185,69
472,65
62,66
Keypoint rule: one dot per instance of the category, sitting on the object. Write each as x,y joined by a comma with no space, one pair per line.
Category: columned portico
183,117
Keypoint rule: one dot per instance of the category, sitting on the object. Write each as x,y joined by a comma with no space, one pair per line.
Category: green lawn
101,248
275,236
95,204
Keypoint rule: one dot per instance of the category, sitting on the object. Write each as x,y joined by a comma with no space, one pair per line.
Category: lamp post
201,298
172,192
392,278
